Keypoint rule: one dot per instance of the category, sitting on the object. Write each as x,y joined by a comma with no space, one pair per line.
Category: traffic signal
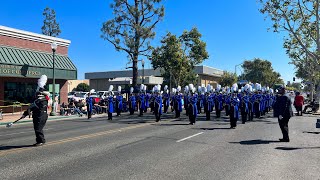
294,78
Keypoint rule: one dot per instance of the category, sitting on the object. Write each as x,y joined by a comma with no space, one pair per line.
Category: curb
49,119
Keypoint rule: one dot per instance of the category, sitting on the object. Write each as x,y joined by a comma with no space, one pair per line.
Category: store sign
18,70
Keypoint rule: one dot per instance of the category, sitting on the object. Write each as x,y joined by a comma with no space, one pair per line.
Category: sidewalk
7,118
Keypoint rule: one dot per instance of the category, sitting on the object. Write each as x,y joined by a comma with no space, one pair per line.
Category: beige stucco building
101,81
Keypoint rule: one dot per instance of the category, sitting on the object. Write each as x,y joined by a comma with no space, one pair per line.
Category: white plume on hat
165,87
193,90
119,88
173,90
92,91
179,88
110,88
209,88
141,87
144,88
205,90
131,90
246,87
191,87
228,89
218,87
42,81
186,89
258,86
235,87
159,87
199,89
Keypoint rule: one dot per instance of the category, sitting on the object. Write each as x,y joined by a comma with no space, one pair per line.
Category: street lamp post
142,62
54,48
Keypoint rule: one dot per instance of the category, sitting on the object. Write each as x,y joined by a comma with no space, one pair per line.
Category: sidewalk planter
14,108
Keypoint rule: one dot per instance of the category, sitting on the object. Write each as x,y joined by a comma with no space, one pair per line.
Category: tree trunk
134,71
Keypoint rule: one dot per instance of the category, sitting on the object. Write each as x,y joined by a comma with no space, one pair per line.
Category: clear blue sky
233,30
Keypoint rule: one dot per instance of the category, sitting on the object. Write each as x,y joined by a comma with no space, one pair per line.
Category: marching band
248,101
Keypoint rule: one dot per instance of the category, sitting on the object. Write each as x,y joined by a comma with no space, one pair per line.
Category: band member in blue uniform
132,102
141,100
90,103
119,99
227,101
148,100
166,99
178,103
200,99
193,112
218,101
185,99
244,104
157,103
208,102
110,103
234,108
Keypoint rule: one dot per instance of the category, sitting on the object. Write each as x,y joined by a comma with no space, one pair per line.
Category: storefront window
19,92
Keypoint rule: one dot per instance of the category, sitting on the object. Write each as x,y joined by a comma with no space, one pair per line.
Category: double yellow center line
6,152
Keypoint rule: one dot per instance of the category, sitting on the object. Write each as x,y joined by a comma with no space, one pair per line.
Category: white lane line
189,137
22,132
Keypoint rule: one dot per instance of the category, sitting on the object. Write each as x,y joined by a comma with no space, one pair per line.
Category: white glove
280,117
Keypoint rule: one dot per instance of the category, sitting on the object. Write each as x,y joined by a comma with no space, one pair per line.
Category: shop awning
16,62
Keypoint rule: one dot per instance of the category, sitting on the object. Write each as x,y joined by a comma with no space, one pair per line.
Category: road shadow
210,129
271,123
295,148
174,124
310,132
4,148
255,142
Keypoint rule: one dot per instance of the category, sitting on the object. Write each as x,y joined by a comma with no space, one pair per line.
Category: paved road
136,148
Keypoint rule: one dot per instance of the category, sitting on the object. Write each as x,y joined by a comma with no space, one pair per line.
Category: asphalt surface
132,147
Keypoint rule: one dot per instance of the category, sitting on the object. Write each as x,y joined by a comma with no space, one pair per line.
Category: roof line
21,34
33,50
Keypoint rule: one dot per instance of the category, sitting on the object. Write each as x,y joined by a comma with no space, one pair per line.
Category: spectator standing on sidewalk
298,103
283,111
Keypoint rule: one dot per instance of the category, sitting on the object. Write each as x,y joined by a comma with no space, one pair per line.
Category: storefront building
24,57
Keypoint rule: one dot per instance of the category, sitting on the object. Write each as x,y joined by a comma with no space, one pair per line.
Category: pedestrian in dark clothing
283,111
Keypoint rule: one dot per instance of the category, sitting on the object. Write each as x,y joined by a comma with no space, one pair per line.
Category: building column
2,91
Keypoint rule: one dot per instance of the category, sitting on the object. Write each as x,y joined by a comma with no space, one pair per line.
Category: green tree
177,56
299,21
228,79
82,87
132,28
295,86
50,26
261,71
